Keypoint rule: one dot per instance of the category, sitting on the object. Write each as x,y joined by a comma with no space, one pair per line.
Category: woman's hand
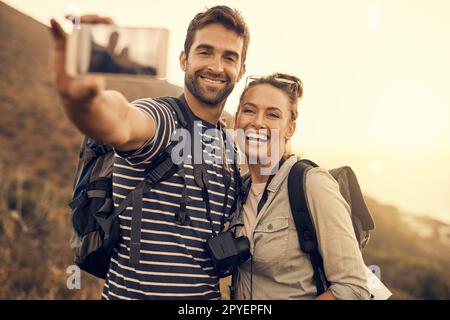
327,295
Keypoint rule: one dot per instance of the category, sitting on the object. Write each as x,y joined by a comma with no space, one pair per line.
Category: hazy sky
376,75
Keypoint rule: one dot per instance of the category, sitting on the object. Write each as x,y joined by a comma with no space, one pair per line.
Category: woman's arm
343,263
327,295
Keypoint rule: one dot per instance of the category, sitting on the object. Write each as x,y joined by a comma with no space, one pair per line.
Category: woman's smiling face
265,117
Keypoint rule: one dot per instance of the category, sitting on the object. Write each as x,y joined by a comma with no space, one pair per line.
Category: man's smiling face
213,64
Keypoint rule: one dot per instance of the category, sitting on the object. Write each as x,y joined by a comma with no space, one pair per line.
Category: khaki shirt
278,268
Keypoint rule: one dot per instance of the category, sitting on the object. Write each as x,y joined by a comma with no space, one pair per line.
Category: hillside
35,135
412,252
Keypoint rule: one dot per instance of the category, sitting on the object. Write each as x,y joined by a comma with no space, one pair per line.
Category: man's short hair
231,19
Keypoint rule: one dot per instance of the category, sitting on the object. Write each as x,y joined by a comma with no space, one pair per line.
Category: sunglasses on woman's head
294,83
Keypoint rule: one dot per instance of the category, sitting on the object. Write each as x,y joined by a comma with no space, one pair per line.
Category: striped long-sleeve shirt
174,262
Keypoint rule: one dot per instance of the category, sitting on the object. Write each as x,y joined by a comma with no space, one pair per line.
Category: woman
278,268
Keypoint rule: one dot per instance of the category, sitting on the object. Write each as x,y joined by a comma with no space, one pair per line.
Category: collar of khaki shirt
275,184
272,188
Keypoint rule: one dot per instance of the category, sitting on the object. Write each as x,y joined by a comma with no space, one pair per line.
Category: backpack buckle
101,149
78,200
181,217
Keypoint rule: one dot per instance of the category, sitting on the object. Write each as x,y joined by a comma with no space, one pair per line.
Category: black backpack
95,219
349,188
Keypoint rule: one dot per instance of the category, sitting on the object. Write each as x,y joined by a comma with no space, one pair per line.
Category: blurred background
376,97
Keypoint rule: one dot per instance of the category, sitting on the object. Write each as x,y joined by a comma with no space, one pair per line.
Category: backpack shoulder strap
299,206
302,219
179,106
186,121
245,187
160,169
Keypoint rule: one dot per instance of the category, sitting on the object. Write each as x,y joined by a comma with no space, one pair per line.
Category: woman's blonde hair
291,85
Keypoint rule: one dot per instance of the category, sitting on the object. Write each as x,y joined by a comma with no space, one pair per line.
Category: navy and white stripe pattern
174,263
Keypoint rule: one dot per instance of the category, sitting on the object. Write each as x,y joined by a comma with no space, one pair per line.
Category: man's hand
92,19
74,90
104,115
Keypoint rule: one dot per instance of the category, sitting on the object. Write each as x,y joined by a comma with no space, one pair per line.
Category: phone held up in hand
113,50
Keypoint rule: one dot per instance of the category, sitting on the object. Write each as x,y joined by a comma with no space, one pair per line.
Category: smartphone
112,50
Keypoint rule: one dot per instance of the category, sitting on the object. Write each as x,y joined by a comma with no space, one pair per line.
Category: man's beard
199,93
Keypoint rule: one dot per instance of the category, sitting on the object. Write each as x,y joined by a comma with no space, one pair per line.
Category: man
174,262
